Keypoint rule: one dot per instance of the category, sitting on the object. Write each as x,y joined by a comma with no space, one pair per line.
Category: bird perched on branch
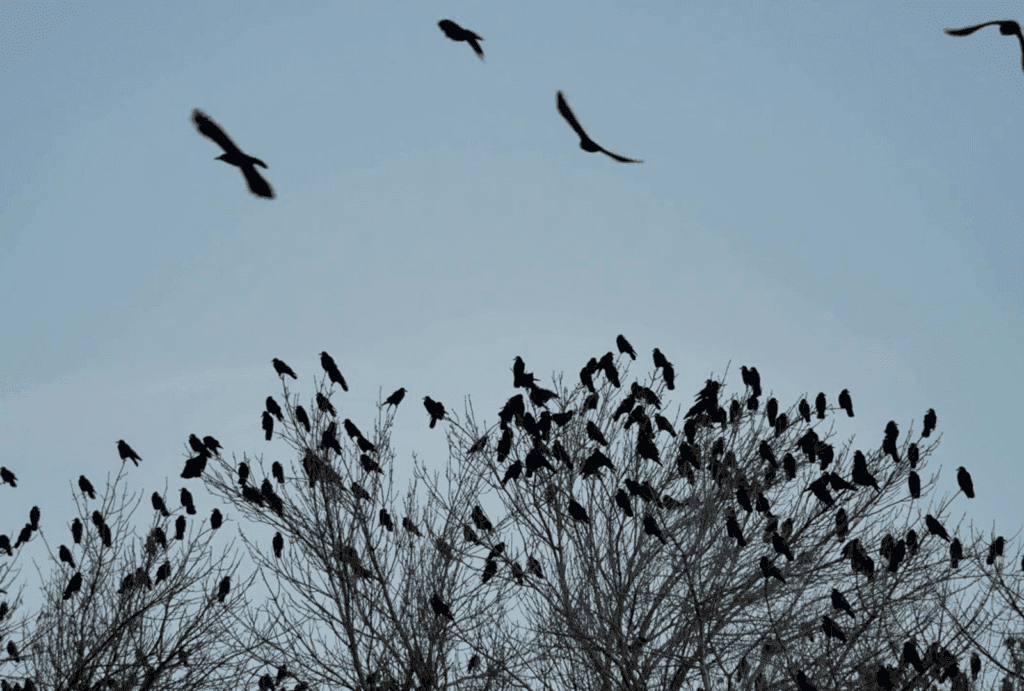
396,398
457,33
435,409
127,452
929,423
333,373
963,478
283,369
845,403
86,486
233,155
586,143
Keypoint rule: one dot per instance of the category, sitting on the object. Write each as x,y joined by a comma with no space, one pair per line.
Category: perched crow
86,487
179,528
820,490
861,475
935,528
845,403
772,410
65,556
233,155
520,377
912,543
562,419
186,501
595,434
765,452
842,524
324,404
975,659
752,379
625,407
396,398
769,570
624,347
212,445
224,588
351,430
664,425
586,143
24,536
956,553
5,545
831,628
889,443
533,566
127,452
805,410
781,423
332,370
911,656
578,512
732,526
243,473
517,572
480,519
789,464
913,454
277,471
457,33
963,478
358,491
781,547
74,585
490,568
820,405
479,445
370,465
268,425
385,520
707,400
411,527
278,544
651,528
216,519
914,483
197,445
607,363
274,409
929,423
622,500
328,440
76,531
838,483
899,551
158,505
513,472
283,369
587,375
435,409
440,608
303,419
194,467
840,603
468,535
645,394
9,478
1007,27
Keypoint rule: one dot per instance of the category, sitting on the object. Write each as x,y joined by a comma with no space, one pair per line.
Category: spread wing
968,30
208,128
257,185
621,158
563,108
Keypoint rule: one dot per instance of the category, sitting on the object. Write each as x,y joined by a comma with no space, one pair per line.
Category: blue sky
830,192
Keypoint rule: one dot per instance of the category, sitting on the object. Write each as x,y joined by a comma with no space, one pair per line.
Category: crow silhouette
620,340
224,588
769,570
586,143
333,373
651,528
283,369
277,471
9,478
274,409
914,483
1007,27
385,520
831,628
732,526
194,467
303,419
74,585
820,405
65,556
772,410
861,475
396,398
233,155
845,403
324,404
481,520
216,519
86,486
457,33
76,531
268,425
889,442
440,608
840,603
805,410
127,452
435,409
578,512
963,478
158,505
622,499
212,445
752,378
278,544
929,423
935,528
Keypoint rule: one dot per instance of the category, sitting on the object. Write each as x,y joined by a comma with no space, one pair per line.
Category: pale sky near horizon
829,192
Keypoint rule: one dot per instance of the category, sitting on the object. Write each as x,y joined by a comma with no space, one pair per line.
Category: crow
840,603
956,553
411,527
587,375
831,628
251,495
781,547
884,678
74,585
540,397
1007,27
607,363
914,483
975,666
233,155
651,528
935,528
521,379
533,566
819,405
277,471
517,572
65,556
899,551
861,475
330,441
76,531
396,398
268,425
440,608
351,430
889,443
805,410
590,403
5,545
179,528
216,519
845,403
512,473
158,505
732,526
595,434
624,347
86,486
127,452
186,501
457,33
435,409
243,473
752,379
772,410
781,423
765,452
838,483
820,490
562,419
929,423
370,465
625,407
963,478
274,409
224,588
586,143
332,370
300,415
913,454
707,400
385,520
769,570
8,477
481,520
24,536
324,404
664,425
278,544
789,464
578,512
194,467
645,394
197,445
283,369
468,535
490,568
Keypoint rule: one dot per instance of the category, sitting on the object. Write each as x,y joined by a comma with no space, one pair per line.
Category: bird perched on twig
127,452
435,409
283,369
457,33
396,398
586,143
1007,27
233,155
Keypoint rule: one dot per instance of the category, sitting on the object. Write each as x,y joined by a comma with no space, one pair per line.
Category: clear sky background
830,192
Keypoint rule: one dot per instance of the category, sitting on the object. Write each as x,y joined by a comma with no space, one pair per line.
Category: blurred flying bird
1007,27
233,155
457,33
586,143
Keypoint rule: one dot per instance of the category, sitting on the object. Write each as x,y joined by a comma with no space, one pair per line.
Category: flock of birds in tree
261,188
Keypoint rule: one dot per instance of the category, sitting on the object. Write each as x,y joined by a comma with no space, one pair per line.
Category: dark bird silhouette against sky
385,520
224,589
194,467
769,570
86,486
396,398
268,425
76,531
620,340
74,585
303,419
651,528
158,505
233,155
930,421
820,405
333,373
963,478
283,369
845,403
216,519
457,33
586,143
8,477
65,556
440,608
324,404
805,410
910,655
480,519
435,409
935,528
752,379
127,452
274,409
578,512
914,484
839,602
1007,27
